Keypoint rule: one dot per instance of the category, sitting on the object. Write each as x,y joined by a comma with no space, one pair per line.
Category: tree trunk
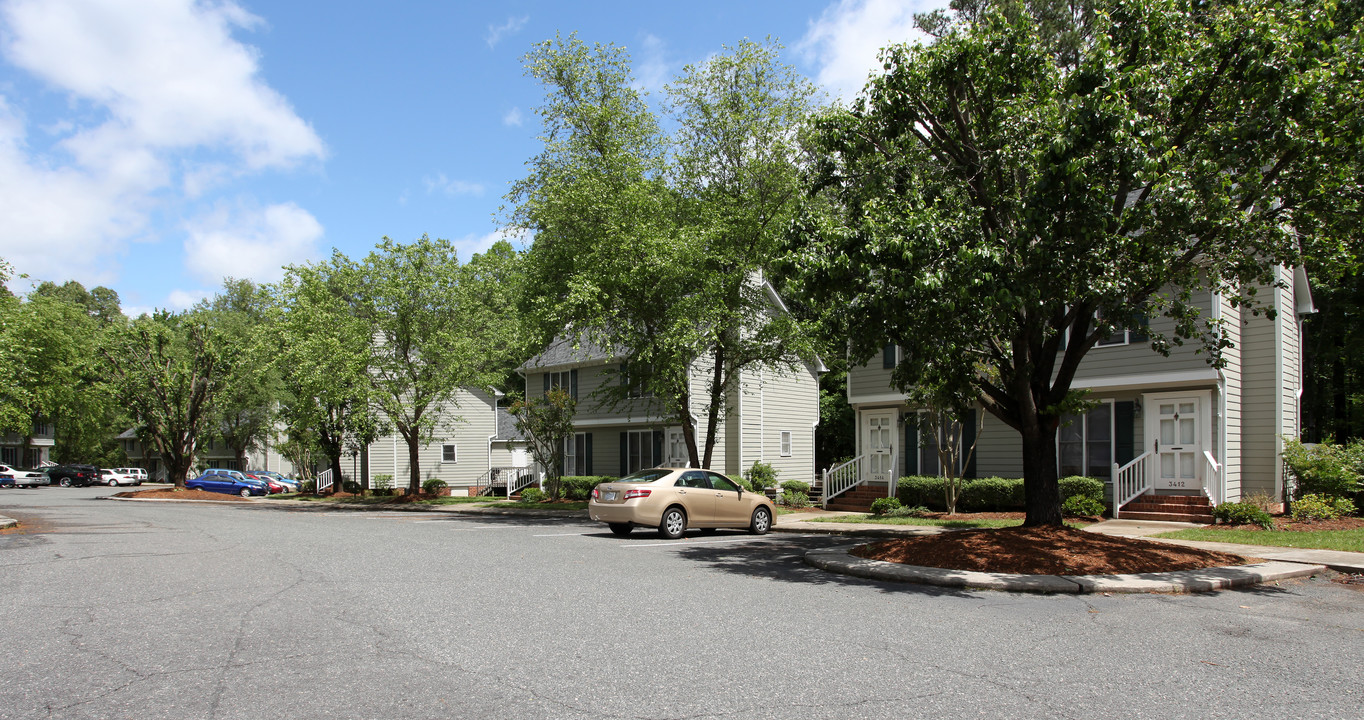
414,471
688,430
1041,490
334,462
717,396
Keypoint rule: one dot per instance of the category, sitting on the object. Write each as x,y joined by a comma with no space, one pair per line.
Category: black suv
73,475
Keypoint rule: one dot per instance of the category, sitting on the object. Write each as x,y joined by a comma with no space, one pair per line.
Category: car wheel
113,482
246,492
762,521
65,482
673,523
620,529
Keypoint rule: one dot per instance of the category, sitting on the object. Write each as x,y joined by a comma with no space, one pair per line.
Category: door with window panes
878,444
1178,443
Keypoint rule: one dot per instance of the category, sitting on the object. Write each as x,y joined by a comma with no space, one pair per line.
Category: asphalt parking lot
183,611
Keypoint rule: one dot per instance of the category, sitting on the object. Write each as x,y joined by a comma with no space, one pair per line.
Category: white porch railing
1212,480
1131,481
324,481
842,478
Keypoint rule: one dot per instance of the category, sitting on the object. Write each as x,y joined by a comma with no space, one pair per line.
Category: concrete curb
7,523
837,559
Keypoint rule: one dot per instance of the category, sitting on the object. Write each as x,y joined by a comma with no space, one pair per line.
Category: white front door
677,448
878,444
1178,437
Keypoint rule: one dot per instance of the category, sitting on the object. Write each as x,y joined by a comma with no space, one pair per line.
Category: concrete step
1166,508
1202,518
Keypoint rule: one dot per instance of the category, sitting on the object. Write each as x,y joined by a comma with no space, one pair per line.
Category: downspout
1221,478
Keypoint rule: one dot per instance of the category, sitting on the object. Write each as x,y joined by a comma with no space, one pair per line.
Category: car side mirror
741,493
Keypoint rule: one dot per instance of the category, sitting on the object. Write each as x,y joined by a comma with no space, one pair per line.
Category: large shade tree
655,245
996,206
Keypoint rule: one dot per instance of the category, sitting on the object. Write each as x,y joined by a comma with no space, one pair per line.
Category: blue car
227,481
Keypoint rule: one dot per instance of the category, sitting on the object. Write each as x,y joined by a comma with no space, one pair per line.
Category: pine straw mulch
1044,551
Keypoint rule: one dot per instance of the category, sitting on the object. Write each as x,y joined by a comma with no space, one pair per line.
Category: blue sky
157,146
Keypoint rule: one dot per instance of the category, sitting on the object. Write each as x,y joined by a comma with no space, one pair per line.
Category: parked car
139,475
272,485
290,485
19,477
231,482
675,499
73,475
114,478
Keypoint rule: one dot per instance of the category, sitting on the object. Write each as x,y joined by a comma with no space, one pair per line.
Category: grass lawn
934,522
385,500
1347,540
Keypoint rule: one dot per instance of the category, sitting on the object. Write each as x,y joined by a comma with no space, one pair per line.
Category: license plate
608,496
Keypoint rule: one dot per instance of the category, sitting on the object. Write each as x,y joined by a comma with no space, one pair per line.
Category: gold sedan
675,499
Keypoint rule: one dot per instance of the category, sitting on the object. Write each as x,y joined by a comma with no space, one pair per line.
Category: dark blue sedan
227,481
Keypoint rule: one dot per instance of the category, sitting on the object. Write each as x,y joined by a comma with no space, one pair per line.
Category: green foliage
1321,507
533,495
762,476
795,499
796,486
579,487
996,211
882,506
353,487
651,243
546,423
1325,468
244,414
1081,506
991,493
381,482
1243,514
308,487
917,511
434,486
1080,486
921,490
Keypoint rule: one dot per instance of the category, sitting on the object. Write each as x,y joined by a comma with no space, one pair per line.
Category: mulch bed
174,494
1288,524
1043,551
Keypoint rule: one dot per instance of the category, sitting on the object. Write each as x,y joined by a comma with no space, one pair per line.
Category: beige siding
1138,358
592,380
1263,396
469,423
1228,423
869,381
790,403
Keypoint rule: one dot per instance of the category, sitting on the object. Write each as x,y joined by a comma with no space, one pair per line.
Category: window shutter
624,376
546,376
624,454
587,452
911,446
968,438
658,448
888,357
1124,435
573,384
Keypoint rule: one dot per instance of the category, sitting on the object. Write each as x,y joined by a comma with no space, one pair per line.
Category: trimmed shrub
532,495
917,511
1320,507
350,486
881,506
308,486
379,483
579,487
434,486
795,498
992,493
1081,506
763,476
796,486
1080,486
1241,513
921,490
1325,468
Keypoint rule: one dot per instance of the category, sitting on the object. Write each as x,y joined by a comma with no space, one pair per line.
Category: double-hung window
575,455
449,453
1084,443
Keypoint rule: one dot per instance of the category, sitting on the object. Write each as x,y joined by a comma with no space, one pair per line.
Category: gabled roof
562,351
506,427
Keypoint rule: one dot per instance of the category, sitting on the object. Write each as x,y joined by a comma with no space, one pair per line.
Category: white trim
1151,428
1143,380
602,422
786,443
454,447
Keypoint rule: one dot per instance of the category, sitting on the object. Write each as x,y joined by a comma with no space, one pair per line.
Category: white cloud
469,245
843,43
245,242
652,70
512,118
440,183
506,29
178,106
176,300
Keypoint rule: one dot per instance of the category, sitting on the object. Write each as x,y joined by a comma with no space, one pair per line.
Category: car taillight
638,492
595,494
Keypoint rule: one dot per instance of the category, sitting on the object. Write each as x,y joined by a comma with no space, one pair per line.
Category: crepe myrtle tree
547,423
996,208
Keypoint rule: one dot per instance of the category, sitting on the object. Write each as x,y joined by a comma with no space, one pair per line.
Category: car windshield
644,476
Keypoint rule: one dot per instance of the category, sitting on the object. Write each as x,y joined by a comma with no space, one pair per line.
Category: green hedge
579,487
990,494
